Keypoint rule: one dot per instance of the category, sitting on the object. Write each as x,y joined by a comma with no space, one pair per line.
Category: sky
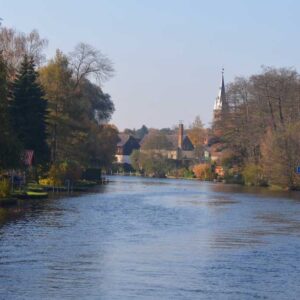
168,54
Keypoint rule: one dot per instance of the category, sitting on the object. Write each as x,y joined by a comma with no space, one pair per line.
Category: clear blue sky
168,54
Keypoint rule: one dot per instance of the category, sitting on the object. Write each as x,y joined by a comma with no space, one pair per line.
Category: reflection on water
153,239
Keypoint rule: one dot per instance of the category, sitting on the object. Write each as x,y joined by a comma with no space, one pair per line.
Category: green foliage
29,111
253,174
151,163
77,111
58,109
67,170
188,173
140,133
135,159
182,173
100,145
4,188
9,148
280,156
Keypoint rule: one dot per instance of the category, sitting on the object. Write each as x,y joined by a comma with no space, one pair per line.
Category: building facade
127,143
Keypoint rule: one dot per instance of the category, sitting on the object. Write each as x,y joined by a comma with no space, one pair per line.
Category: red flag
28,157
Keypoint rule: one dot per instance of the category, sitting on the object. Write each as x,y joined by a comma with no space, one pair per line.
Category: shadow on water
32,207
256,191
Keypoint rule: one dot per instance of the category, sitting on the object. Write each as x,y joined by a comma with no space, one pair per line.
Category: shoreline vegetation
54,116
34,191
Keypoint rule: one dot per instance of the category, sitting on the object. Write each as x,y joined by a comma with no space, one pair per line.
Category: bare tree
14,45
34,46
87,62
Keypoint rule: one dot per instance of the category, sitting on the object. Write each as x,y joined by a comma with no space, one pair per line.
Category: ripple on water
153,239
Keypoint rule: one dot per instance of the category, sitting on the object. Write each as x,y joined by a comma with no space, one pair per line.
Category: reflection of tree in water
37,208
9,214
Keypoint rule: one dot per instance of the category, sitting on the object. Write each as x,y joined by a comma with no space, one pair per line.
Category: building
185,146
127,143
179,146
221,104
214,145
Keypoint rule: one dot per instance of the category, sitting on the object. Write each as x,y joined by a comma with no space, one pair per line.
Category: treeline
55,108
261,130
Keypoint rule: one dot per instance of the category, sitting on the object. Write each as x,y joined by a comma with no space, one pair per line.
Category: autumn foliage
203,171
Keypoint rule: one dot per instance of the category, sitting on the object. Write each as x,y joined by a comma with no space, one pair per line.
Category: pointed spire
220,102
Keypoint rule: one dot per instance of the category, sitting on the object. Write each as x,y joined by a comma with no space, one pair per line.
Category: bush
203,171
67,170
152,163
253,175
4,188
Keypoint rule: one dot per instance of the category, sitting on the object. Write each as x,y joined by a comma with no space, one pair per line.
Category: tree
262,122
280,156
14,45
56,79
100,106
156,141
151,163
197,134
29,111
140,133
101,145
9,150
78,116
87,62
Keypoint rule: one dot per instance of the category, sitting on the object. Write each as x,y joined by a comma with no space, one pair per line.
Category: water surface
143,238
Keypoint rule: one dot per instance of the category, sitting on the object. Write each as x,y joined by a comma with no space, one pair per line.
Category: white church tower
221,104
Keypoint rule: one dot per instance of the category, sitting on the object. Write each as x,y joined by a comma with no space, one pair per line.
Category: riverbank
36,192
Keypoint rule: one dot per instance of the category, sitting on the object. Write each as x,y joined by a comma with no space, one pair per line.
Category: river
140,238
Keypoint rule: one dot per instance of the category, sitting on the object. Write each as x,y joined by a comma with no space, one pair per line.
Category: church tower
221,104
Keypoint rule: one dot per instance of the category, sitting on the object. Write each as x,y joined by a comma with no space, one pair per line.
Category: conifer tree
9,151
29,111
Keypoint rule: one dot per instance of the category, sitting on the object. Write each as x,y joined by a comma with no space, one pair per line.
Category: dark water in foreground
153,239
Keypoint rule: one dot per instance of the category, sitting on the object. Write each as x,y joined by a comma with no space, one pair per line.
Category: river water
140,238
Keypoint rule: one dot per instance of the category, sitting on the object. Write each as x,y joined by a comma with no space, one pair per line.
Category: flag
28,157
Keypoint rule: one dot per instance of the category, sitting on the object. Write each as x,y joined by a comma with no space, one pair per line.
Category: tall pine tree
29,111
9,150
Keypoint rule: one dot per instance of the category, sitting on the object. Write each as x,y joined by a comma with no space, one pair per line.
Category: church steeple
220,103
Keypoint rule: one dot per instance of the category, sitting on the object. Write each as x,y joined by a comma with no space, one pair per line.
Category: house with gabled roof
127,143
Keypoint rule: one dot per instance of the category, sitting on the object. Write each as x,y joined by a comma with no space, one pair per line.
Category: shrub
4,188
203,171
67,170
188,173
253,175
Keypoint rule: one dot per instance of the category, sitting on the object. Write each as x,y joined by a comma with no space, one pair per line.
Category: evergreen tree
9,151
29,111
